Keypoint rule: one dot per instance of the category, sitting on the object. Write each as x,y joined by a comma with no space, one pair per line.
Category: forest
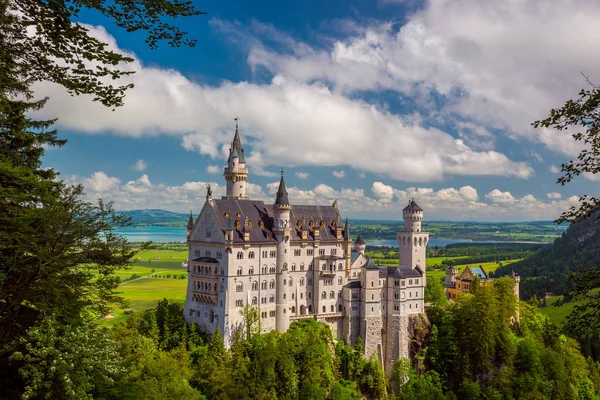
473,348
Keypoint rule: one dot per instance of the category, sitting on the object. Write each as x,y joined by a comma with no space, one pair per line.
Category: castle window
293,309
197,253
297,252
263,269
237,214
251,254
340,308
293,296
272,270
284,295
255,285
340,280
332,295
410,281
333,252
240,255
226,214
340,294
284,267
293,267
310,266
237,224
264,254
299,224
311,224
239,303
324,267
309,252
272,299
321,252
272,254
272,284
332,308
410,306
323,295
416,281
219,255
322,224
302,267
340,266
301,295
240,271
291,281
254,301
207,253
261,224
372,297
403,282
251,271
239,287
263,285
372,283
301,281
409,294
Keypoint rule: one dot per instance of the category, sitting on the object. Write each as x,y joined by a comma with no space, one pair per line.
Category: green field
487,266
558,315
152,284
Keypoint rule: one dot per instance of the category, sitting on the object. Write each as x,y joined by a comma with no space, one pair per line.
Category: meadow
558,315
157,274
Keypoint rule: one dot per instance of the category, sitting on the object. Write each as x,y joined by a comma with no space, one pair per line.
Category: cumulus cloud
339,174
553,195
316,118
554,169
302,175
140,165
498,196
488,65
214,169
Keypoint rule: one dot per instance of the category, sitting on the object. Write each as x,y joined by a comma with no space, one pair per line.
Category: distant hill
157,218
549,269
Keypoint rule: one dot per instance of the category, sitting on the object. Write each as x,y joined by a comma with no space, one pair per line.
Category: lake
160,234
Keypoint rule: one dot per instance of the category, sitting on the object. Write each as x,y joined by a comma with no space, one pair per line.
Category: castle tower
236,173
451,274
411,240
360,245
282,231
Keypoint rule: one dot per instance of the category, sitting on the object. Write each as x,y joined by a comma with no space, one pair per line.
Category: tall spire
237,143
346,230
190,224
282,194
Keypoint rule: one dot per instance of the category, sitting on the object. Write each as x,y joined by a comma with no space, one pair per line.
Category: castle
457,285
296,261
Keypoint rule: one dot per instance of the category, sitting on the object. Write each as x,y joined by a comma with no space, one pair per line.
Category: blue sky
367,102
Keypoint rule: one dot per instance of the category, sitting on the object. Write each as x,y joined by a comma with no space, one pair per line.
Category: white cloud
339,174
497,196
362,175
553,195
213,169
495,65
316,119
554,169
591,177
302,175
140,165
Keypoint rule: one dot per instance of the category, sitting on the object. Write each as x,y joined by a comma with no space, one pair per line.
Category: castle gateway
296,261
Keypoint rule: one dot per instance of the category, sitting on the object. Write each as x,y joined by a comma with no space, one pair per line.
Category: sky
367,102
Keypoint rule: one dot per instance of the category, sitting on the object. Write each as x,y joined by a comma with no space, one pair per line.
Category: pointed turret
346,230
282,194
190,224
237,143
236,173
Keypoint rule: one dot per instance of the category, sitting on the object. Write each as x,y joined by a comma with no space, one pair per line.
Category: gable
207,227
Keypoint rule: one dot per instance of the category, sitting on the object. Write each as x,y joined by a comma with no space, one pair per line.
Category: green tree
434,292
252,321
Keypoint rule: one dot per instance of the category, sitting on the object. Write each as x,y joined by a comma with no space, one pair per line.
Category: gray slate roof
257,211
407,272
282,193
413,206
359,240
209,260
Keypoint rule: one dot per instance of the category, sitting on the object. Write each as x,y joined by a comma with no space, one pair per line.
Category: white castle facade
299,261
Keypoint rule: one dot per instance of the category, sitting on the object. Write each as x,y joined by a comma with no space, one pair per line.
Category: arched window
324,309
212,316
332,295
415,241
323,295
254,301
264,269
340,267
272,284
240,271
309,308
340,280
207,253
285,266
272,270
251,254
324,267
293,267
251,271
293,309
302,267
240,255
263,285
291,281
340,308
255,285
239,287
420,242
272,299
332,308
301,281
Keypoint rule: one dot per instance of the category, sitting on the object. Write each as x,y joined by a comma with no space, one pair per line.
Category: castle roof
412,206
258,212
282,194
237,144
190,221
208,260
403,272
370,264
359,240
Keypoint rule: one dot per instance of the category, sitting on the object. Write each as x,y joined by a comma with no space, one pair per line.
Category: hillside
549,269
157,217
